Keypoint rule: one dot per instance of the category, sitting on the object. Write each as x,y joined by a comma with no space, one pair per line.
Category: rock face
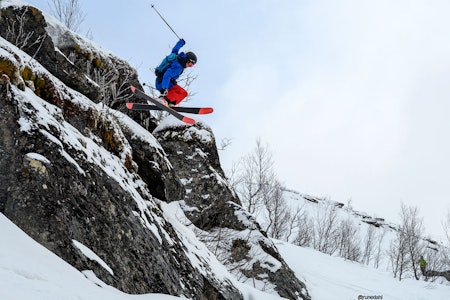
215,210
61,185
75,171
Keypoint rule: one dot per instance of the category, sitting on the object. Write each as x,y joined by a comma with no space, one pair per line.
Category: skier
168,72
423,265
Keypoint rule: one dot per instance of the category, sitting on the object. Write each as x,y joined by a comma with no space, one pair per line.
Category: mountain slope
29,271
331,277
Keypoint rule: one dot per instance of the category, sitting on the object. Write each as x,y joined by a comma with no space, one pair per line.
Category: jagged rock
94,72
25,27
214,208
153,164
56,200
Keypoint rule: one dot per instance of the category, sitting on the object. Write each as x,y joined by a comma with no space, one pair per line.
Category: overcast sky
352,96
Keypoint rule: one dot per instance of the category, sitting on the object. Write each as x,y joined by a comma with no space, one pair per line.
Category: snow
37,156
6,3
200,133
201,258
30,271
92,256
329,277
138,131
169,122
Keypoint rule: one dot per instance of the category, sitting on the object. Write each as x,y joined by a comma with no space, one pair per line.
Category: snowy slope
329,277
384,232
29,271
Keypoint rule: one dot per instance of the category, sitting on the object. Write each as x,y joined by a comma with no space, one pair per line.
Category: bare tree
278,218
348,240
406,248
398,255
412,226
69,12
224,143
446,226
262,194
438,259
435,260
379,250
305,230
293,221
369,245
446,250
254,176
325,229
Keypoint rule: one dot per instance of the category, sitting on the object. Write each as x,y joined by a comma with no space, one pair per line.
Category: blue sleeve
172,73
178,46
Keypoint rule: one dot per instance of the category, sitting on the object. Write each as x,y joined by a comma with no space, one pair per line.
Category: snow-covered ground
30,271
329,277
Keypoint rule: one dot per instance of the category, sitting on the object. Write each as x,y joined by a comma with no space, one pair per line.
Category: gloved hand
163,92
183,41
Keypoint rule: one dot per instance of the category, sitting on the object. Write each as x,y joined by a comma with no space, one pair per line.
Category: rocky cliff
149,198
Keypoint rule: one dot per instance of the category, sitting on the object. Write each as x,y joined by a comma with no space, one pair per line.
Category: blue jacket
174,71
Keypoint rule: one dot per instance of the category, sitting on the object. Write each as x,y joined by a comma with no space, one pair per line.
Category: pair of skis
174,111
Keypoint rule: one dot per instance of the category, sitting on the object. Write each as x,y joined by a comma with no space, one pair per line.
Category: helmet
191,57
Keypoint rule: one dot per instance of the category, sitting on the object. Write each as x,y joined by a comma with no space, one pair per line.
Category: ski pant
176,94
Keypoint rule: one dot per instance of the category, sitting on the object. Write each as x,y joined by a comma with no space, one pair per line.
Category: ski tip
188,120
206,110
133,89
129,105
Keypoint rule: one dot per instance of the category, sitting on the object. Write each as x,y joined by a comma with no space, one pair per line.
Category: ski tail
188,120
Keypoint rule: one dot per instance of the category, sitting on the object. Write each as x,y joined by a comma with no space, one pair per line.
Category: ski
189,110
174,113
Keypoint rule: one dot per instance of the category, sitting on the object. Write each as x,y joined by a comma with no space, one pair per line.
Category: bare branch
69,12
17,34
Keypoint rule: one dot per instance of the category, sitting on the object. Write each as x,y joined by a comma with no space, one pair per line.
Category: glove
163,92
183,41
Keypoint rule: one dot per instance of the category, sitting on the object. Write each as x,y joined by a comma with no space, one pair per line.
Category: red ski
171,111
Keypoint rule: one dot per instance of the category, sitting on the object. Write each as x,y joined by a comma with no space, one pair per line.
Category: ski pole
153,6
